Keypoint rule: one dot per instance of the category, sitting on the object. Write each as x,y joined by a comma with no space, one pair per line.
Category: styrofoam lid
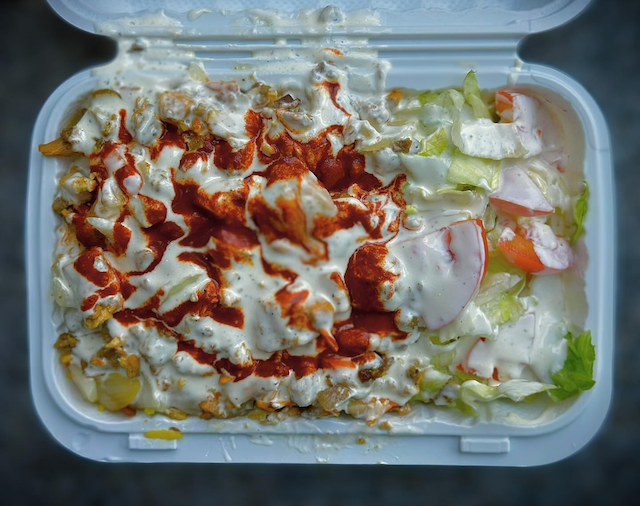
215,18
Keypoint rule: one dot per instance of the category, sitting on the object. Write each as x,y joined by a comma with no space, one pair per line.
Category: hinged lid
214,19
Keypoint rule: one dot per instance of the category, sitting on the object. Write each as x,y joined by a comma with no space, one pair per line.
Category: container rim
414,18
582,423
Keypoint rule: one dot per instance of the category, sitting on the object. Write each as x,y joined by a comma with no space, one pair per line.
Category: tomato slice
521,253
504,105
517,209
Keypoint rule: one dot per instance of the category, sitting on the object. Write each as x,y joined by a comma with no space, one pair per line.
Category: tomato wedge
504,105
520,252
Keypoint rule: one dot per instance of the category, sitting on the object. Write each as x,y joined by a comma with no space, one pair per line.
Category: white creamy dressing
438,253
510,352
518,189
554,252
483,138
439,275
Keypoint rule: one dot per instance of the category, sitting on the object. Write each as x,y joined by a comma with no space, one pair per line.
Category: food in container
266,250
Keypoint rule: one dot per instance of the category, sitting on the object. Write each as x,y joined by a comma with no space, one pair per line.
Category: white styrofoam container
431,44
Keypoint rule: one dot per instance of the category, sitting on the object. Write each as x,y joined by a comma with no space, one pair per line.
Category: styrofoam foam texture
408,16
105,436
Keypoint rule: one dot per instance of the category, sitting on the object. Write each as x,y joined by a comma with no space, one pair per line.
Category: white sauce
437,253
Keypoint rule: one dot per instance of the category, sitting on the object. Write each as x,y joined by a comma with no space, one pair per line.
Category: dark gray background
39,51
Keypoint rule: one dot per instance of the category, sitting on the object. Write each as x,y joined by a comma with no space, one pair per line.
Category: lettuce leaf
431,383
498,263
435,144
447,98
580,212
492,285
498,299
490,219
436,339
473,97
472,392
443,359
468,170
577,373
181,286
428,97
461,377
504,308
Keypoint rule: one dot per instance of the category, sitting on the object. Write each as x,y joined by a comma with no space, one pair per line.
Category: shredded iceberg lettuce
504,308
447,98
435,144
473,392
442,174
473,97
498,297
492,286
431,383
462,377
472,171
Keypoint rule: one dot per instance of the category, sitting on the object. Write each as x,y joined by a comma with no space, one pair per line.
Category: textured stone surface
39,51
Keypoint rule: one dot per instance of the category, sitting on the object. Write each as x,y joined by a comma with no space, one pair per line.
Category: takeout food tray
434,52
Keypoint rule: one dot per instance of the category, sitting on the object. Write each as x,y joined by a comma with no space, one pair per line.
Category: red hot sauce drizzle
364,279
365,275
219,222
333,89
85,266
154,211
206,145
158,238
171,136
336,173
106,281
128,170
279,365
147,314
123,134
226,158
